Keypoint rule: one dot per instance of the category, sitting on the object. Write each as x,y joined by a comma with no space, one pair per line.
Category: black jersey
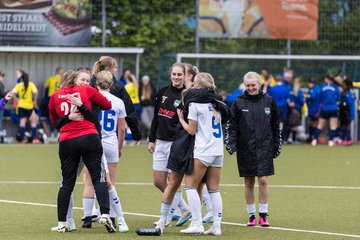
163,125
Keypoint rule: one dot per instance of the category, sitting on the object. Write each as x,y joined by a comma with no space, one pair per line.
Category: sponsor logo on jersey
166,113
267,110
245,110
176,103
163,99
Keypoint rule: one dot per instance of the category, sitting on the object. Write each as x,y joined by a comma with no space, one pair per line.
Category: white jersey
109,118
208,136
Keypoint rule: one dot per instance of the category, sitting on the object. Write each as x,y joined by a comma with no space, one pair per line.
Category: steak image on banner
45,22
272,19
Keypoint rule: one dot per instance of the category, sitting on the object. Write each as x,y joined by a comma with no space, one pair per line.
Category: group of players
185,139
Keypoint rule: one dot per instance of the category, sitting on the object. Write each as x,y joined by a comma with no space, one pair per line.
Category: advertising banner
45,22
272,19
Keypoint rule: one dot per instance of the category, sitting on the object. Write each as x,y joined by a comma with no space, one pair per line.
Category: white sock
115,203
207,200
88,204
174,204
177,211
251,209
69,214
194,204
182,204
165,208
217,204
95,211
263,207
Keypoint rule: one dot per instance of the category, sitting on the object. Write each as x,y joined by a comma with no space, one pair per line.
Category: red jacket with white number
59,106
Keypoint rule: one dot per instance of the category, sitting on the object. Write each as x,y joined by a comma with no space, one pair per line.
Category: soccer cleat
175,218
36,141
331,143
314,142
160,225
123,228
184,217
194,229
208,218
71,224
87,222
94,218
347,143
24,141
61,228
216,231
252,221
167,223
263,221
106,221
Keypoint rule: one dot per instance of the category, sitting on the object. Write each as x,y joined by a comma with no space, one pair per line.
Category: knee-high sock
22,132
33,132
165,208
69,214
207,199
88,204
194,204
182,204
216,201
316,133
115,203
174,204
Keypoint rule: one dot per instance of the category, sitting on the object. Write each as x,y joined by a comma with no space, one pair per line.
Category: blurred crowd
29,108
307,106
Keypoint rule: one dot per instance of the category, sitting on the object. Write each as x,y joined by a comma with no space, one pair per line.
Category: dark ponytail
25,78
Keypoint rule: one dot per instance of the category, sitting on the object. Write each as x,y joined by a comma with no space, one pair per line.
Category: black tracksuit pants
70,151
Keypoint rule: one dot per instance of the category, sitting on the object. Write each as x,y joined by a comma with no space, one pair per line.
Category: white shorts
211,161
161,155
111,152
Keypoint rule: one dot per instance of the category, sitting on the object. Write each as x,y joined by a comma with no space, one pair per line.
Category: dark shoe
87,222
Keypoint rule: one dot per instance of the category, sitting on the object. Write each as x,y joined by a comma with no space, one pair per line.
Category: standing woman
163,126
313,103
147,94
79,139
28,95
132,87
329,98
254,136
204,121
109,64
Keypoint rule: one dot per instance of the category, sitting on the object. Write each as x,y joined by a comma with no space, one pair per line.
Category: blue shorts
25,112
284,114
329,114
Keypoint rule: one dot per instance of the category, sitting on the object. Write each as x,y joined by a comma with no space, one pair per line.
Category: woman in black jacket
254,136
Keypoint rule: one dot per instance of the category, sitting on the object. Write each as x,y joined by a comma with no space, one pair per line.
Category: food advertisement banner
45,22
272,19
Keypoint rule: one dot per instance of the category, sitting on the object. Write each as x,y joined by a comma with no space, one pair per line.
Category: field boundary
222,185
226,223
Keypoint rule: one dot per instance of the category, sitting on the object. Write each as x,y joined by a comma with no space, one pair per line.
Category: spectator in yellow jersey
52,83
266,79
27,104
132,87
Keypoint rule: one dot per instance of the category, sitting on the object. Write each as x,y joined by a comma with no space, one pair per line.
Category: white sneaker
194,229
331,143
160,225
216,231
106,221
71,224
61,228
167,223
314,142
123,228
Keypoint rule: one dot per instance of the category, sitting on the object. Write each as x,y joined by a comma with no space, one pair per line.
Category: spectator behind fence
2,94
231,98
19,75
132,87
28,95
147,93
346,112
313,104
296,103
125,74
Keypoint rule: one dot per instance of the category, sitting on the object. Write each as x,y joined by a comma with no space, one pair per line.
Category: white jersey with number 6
109,118
208,137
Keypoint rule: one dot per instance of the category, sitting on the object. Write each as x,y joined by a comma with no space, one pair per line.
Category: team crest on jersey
176,103
163,99
267,110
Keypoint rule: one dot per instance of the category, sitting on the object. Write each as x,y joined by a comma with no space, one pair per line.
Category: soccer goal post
229,69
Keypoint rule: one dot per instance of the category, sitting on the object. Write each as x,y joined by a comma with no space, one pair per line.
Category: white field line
223,185
226,223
